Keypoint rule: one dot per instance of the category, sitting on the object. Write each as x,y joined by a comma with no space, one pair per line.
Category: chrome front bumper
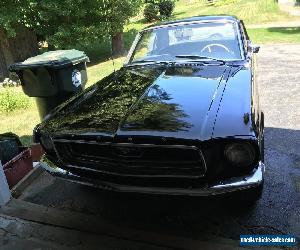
251,180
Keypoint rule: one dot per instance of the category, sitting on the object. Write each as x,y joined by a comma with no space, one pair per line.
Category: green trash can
52,77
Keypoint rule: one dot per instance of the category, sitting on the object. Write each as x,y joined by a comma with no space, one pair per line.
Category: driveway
275,213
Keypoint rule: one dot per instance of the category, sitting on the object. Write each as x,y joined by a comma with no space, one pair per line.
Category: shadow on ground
285,30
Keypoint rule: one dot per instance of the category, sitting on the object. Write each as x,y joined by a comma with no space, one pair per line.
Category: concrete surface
18,218
18,234
277,212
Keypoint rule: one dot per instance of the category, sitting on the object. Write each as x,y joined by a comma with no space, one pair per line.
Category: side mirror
253,48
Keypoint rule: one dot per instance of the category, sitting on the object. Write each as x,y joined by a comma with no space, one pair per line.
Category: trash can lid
52,59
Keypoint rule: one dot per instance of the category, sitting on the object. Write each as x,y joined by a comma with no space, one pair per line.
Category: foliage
69,23
15,12
151,1
166,8
151,12
11,100
155,112
10,83
158,9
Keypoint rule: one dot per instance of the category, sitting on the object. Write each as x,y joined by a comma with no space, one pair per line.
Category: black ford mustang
181,117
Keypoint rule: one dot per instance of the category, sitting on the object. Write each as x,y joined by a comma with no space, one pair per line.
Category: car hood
175,101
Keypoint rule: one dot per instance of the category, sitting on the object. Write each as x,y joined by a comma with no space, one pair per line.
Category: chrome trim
130,53
252,180
179,23
127,145
137,176
242,52
203,159
138,36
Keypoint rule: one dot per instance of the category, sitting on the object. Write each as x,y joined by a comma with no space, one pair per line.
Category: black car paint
162,101
203,105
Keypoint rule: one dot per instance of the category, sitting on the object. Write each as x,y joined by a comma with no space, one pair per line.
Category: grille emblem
128,151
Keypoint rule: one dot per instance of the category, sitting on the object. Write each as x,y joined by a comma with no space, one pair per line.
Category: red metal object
36,152
18,167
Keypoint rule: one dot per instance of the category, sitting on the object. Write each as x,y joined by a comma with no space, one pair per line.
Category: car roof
197,18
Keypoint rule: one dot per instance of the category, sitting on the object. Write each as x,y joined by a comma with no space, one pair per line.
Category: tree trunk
6,57
16,49
118,48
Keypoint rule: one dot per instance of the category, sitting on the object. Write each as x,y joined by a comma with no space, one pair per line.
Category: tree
62,23
71,23
66,23
117,13
16,49
17,39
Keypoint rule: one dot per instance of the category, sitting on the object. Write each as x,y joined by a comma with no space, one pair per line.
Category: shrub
10,83
151,12
166,8
11,100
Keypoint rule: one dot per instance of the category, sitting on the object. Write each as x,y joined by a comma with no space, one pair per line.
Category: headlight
240,154
46,142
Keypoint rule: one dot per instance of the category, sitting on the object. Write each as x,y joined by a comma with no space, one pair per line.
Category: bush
11,99
166,8
10,83
151,12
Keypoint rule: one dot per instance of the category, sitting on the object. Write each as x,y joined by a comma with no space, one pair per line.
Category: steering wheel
208,47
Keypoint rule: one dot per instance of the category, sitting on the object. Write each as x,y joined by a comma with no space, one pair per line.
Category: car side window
245,37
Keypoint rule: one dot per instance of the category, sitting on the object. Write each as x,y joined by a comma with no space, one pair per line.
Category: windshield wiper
196,57
144,61
147,61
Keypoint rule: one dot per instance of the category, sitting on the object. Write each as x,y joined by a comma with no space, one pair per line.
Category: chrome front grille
133,160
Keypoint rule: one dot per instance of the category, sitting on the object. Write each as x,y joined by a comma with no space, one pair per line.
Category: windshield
203,40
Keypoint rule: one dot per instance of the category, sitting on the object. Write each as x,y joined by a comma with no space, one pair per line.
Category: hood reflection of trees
111,100
156,112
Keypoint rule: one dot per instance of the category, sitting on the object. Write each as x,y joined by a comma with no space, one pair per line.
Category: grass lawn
23,120
275,35
251,11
